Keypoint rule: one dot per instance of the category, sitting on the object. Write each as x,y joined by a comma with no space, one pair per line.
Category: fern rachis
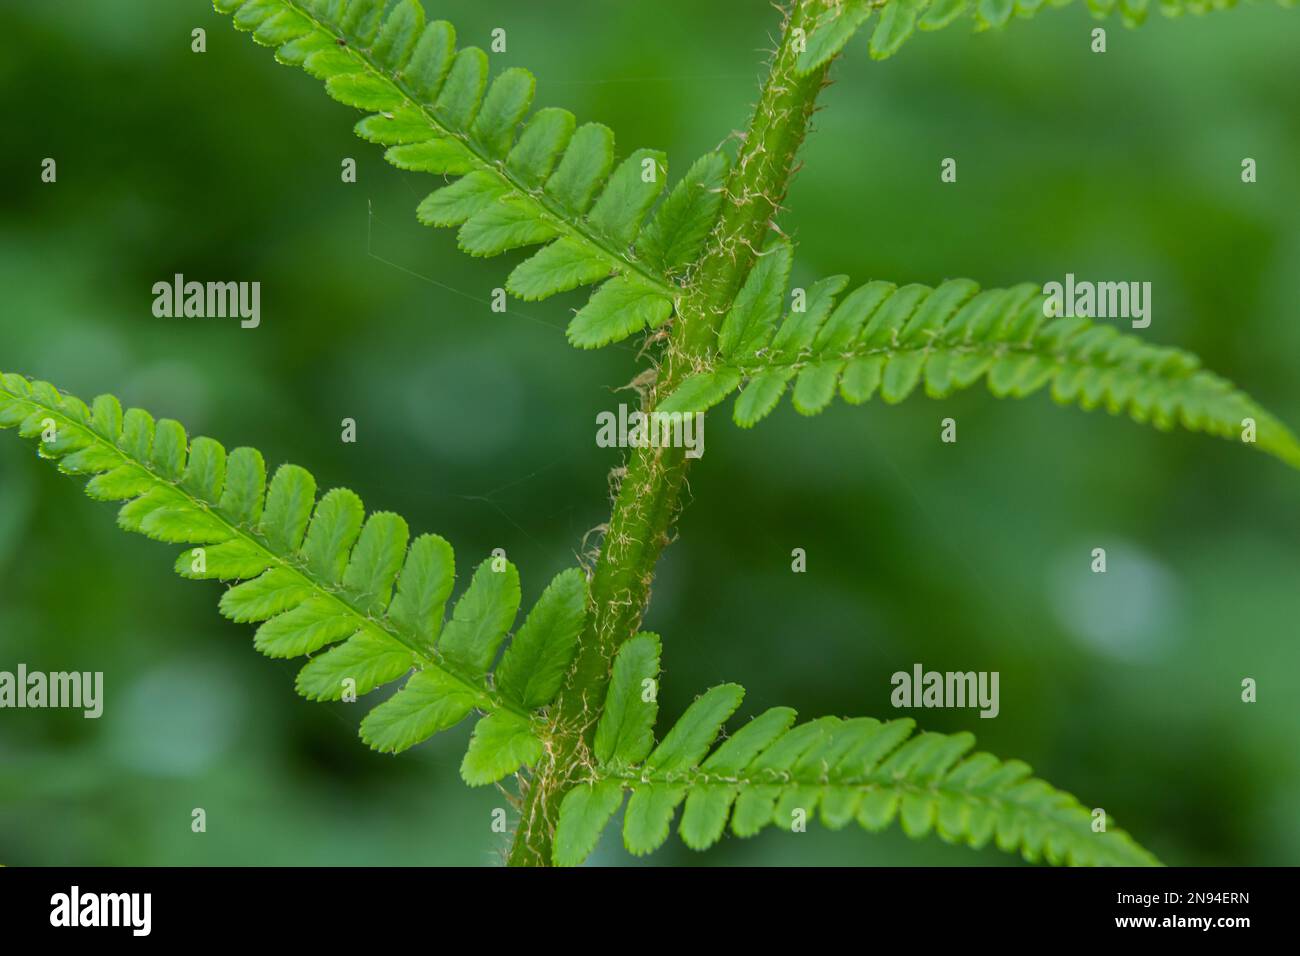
562,701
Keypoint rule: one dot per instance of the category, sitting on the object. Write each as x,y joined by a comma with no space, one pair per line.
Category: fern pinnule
319,574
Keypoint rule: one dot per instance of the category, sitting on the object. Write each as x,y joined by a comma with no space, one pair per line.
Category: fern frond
899,19
319,574
774,772
554,184
888,339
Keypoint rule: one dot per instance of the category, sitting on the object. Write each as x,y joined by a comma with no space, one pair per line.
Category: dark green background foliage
1122,688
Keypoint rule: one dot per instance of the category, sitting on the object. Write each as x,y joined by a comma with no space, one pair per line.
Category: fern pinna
551,183
568,701
839,20
773,772
886,339
318,573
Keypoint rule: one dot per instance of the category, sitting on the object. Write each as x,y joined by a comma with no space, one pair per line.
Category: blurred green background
1123,688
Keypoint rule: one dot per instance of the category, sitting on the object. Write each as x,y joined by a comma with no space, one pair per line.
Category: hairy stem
648,497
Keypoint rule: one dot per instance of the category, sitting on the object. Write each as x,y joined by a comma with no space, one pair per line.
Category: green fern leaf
365,658
423,588
430,702
753,314
891,341
702,391
533,666
323,580
691,737
625,733
772,772
482,617
524,181
679,228
501,744
896,23
899,19
833,30
620,307
583,814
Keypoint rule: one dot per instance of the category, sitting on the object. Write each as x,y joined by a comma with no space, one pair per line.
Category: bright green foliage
890,340
319,574
773,771
367,605
538,180
899,19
